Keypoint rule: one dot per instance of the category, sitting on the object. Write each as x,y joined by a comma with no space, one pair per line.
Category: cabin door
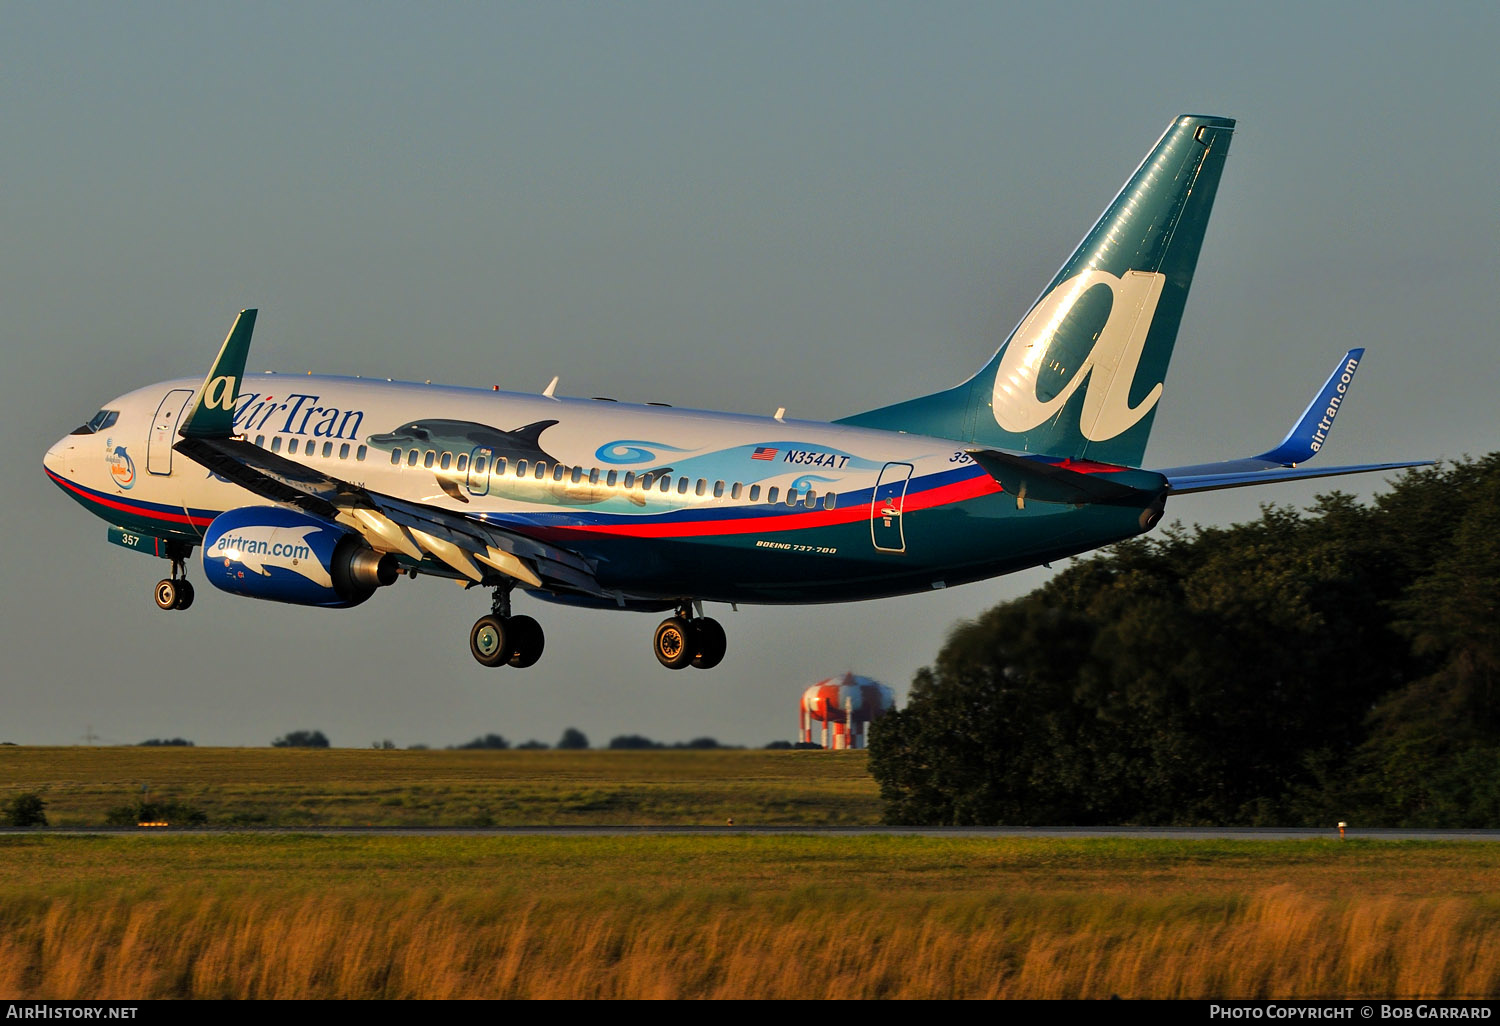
886,507
164,430
479,470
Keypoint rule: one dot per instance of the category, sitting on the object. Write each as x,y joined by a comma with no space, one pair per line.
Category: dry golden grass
743,916
363,787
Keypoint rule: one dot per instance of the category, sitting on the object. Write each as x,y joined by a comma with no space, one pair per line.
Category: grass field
360,787
743,916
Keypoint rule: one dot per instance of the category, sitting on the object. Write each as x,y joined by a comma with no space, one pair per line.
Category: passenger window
499,468
291,447
480,462
594,476
411,458
718,489
702,488
260,441
828,500
666,482
734,493
429,459
445,460
359,454
772,494
647,480
395,453
463,462
344,451
791,496
755,493
541,469
276,444
558,472
811,502
520,468
629,481
682,486
610,480
328,451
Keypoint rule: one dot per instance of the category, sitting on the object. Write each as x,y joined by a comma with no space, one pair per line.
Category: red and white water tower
846,705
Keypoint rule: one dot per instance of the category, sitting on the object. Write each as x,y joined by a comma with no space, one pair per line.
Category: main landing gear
500,639
175,592
686,639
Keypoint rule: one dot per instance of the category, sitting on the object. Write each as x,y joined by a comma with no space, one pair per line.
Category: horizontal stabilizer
1306,438
1073,482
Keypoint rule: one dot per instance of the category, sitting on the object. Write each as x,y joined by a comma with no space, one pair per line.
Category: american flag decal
763,453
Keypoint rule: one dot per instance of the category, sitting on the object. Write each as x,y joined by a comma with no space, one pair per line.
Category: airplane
321,491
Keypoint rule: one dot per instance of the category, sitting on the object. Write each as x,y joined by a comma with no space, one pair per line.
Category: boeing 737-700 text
323,490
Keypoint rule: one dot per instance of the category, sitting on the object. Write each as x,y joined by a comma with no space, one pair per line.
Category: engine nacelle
285,555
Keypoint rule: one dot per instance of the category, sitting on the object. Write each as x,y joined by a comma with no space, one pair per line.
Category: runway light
1342,824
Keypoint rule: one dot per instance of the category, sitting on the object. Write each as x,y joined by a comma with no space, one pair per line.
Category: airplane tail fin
1082,373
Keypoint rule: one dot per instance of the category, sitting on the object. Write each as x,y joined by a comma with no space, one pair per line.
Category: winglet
213,413
1311,431
1301,444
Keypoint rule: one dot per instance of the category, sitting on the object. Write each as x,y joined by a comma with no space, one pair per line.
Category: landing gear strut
175,592
500,639
687,639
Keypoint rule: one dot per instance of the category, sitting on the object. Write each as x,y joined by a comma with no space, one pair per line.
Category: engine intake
285,555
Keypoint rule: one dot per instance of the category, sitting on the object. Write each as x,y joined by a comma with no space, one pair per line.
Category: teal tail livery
324,491
1081,375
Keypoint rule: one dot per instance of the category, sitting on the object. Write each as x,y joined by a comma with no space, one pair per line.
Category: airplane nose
57,455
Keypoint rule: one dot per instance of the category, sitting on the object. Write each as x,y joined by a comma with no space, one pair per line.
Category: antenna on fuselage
552,387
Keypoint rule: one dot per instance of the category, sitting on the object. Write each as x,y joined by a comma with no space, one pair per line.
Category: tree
301,739
25,810
1227,675
533,745
158,742
491,741
573,739
632,741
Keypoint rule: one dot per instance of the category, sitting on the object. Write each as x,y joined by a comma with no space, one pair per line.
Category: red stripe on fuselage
959,491
126,507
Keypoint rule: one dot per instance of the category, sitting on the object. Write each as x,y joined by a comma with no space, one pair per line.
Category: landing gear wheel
489,641
673,643
166,593
526,640
184,595
709,643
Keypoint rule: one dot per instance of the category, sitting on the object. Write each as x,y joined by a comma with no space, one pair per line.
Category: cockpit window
99,422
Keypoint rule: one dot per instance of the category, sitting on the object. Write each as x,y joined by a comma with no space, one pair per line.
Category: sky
741,206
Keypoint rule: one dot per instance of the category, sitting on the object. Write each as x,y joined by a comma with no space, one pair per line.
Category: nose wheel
174,592
500,639
684,640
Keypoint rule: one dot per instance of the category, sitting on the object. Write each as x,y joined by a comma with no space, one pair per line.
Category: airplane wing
1301,444
470,546
389,524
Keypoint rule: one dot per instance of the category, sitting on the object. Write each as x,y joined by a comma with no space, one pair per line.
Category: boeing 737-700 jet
323,490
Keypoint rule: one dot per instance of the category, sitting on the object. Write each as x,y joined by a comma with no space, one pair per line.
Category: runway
1156,833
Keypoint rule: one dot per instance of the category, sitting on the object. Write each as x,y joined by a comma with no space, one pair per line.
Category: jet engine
285,555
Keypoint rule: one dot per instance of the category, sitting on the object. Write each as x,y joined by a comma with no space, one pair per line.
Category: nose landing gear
175,592
685,639
500,639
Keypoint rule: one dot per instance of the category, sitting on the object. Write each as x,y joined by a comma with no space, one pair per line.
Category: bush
25,810
161,742
173,812
533,745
